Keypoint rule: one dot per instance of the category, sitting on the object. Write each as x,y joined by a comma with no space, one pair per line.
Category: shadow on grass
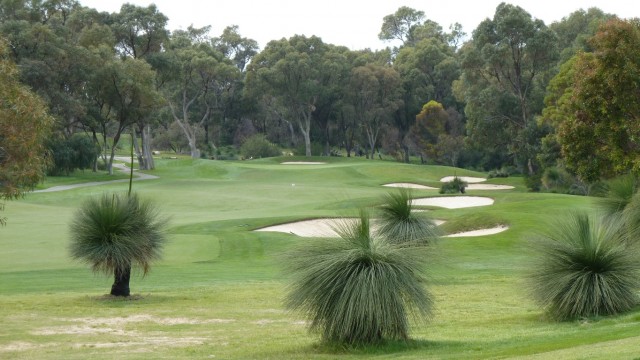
108,299
387,347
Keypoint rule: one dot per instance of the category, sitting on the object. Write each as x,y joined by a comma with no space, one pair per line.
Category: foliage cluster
258,146
455,186
78,152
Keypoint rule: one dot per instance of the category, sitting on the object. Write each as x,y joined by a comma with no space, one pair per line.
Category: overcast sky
352,23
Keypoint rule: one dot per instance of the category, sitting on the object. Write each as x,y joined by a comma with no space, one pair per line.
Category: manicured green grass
218,292
80,176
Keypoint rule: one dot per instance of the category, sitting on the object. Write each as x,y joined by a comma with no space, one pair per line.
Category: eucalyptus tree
290,70
505,68
427,70
44,42
374,93
140,33
401,25
575,30
196,80
235,47
123,93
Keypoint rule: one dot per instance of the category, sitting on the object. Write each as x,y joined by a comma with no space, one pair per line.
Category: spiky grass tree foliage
585,267
399,223
112,233
619,195
456,185
359,289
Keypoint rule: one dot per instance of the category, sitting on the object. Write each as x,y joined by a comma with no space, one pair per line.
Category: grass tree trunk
120,285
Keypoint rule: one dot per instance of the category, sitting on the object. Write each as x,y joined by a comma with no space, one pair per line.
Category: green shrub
454,186
499,173
77,152
257,146
585,267
359,289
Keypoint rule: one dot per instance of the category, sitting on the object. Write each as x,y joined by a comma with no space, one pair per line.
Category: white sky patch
350,23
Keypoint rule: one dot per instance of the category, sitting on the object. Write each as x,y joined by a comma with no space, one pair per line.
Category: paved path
122,167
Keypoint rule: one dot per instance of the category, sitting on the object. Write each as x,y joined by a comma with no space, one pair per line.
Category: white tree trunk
146,148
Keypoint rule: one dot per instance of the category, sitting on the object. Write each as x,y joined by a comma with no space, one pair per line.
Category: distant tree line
555,102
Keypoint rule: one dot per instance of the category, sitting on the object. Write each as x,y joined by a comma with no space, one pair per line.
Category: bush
499,173
77,152
257,146
359,289
454,186
585,267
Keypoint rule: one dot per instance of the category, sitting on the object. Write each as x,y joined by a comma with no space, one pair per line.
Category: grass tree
112,233
585,267
619,195
360,288
400,224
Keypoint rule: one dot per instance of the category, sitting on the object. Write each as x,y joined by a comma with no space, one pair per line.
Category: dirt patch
150,341
121,321
17,346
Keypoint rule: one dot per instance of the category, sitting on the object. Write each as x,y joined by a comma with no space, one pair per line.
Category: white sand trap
467,179
488,187
302,163
317,227
454,202
309,228
410,186
481,232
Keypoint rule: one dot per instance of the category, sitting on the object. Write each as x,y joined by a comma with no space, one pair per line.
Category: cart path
121,167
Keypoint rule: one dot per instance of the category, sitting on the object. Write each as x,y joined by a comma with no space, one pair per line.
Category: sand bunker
324,228
469,187
454,202
488,187
467,179
318,227
410,186
310,228
480,232
302,163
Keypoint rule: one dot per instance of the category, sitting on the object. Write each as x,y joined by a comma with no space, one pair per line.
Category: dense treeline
554,102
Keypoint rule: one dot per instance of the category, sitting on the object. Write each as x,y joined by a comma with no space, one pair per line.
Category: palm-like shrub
400,224
112,233
359,289
585,267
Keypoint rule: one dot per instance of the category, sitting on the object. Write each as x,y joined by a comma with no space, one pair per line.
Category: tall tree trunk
146,148
305,129
136,147
120,285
